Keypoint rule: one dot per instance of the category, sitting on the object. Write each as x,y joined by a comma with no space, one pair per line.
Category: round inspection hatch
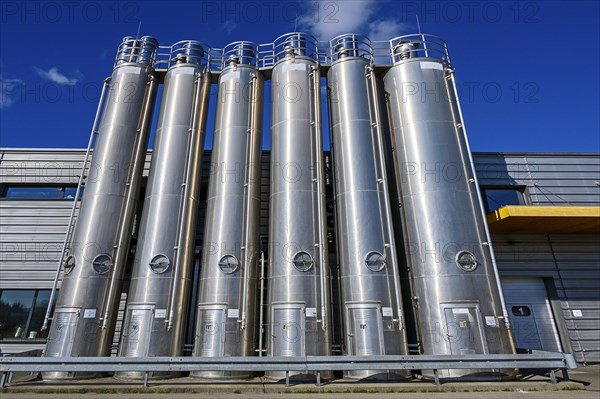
303,262
102,264
229,264
69,264
375,261
466,261
160,264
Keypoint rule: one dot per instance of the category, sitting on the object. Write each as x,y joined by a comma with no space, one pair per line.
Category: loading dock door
530,314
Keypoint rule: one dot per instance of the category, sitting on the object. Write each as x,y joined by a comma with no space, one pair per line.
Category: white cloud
387,29
55,76
229,26
326,19
103,55
7,91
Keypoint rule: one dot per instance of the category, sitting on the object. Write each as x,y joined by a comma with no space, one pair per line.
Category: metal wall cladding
153,271
84,290
547,179
441,215
296,221
227,305
368,263
571,261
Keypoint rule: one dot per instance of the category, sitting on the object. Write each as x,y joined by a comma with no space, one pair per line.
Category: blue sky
528,72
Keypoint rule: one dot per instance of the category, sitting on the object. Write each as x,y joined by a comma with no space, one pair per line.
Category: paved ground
585,384
589,377
445,395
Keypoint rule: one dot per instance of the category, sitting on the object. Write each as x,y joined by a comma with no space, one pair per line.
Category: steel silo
158,299
457,296
226,308
369,276
298,305
86,310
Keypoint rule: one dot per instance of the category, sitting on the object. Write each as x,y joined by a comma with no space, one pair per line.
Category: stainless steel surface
121,249
456,293
74,207
227,308
185,245
298,304
158,300
372,308
27,225
482,213
544,177
104,223
433,164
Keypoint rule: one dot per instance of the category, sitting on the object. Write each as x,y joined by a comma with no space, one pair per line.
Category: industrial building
543,216
345,257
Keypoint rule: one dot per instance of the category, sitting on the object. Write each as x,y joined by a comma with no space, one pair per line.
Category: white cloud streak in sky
328,18
55,76
386,29
8,91
229,26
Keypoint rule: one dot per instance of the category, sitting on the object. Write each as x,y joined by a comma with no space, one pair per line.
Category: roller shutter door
530,314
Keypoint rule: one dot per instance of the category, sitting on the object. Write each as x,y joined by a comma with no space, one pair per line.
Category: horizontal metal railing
550,361
266,55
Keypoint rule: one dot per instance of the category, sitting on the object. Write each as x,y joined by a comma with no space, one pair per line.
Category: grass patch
570,388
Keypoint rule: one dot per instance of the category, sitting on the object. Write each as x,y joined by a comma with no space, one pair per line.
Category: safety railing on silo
163,54
139,51
188,51
240,52
348,45
420,45
266,55
297,43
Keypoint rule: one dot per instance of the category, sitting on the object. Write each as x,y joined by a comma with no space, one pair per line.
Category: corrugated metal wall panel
551,179
32,231
573,261
31,237
265,179
41,166
120,318
11,347
578,259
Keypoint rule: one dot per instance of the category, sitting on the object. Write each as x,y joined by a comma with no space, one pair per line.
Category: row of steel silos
413,249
